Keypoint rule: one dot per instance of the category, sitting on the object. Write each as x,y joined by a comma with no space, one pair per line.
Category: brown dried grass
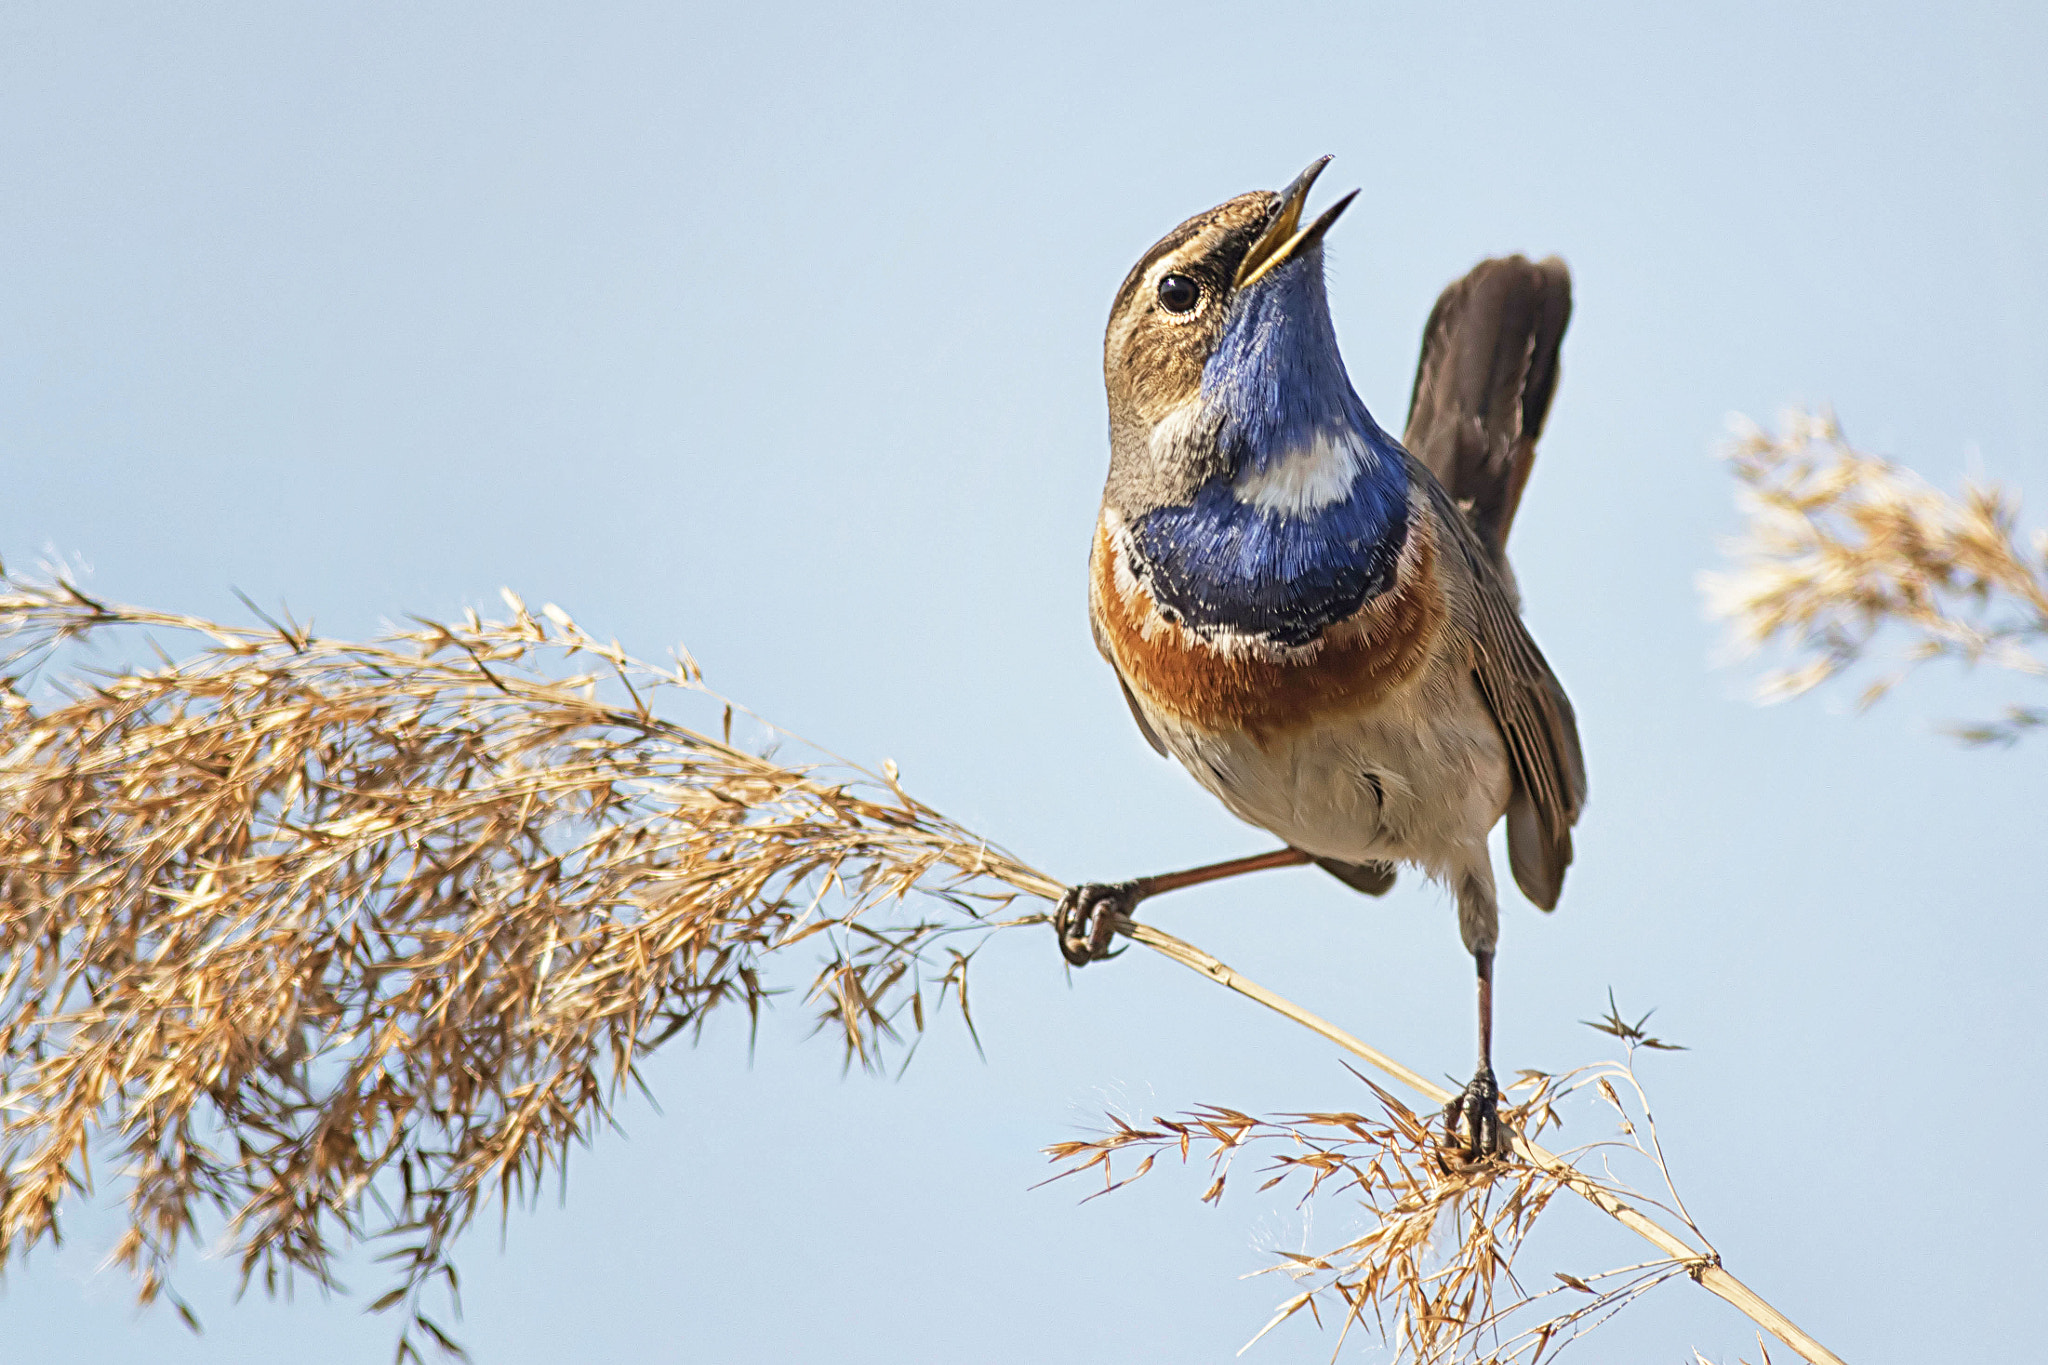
1840,546
1432,1276
334,943
321,944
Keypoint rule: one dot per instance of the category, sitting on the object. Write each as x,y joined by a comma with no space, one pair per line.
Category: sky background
776,330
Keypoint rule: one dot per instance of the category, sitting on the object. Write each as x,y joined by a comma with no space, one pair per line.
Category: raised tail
1484,383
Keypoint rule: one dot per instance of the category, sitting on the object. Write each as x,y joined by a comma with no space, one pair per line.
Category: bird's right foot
1086,918
1472,1119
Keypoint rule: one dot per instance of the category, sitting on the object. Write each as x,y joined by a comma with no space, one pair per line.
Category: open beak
1284,237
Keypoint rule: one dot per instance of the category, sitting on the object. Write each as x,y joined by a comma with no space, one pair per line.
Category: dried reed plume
343,942
1840,545
329,943
1433,1306
1432,1276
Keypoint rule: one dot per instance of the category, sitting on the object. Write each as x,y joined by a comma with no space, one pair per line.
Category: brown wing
1533,713
1130,698
1542,734
1484,383
1138,715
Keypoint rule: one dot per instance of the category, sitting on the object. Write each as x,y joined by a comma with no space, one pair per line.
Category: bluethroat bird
1319,621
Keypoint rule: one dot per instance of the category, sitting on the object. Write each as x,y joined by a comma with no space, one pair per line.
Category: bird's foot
1476,1114
1087,917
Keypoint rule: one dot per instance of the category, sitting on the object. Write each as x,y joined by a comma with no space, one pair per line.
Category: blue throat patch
1276,381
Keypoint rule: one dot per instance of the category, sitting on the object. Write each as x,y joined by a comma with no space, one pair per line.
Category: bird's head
1221,362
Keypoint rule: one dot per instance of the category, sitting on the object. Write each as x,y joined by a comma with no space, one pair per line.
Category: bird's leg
1087,914
1477,1111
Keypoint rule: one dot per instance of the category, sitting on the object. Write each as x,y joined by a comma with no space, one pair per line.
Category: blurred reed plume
337,942
1840,546
1432,1275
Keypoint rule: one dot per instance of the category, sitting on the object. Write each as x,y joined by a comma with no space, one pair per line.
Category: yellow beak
1284,237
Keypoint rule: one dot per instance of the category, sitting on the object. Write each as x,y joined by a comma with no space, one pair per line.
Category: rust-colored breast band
1356,664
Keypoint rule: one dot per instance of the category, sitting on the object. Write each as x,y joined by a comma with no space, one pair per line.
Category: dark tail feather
1483,385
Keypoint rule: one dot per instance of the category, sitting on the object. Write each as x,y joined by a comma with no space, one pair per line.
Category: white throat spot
1306,478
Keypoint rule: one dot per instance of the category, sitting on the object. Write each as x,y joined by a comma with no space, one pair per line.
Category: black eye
1178,293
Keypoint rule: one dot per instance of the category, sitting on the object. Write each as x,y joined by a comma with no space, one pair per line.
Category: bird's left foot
1476,1114
1087,916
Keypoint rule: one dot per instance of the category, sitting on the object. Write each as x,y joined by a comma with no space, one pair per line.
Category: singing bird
1318,623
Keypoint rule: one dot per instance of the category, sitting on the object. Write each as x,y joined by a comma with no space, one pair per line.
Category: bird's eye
1178,293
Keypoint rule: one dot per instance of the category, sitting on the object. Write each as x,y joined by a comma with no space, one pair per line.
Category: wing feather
1130,697
1534,715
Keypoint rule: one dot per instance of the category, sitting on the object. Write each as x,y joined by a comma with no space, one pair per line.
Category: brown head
1168,319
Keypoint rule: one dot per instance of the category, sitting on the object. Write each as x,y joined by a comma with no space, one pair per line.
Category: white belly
1419,780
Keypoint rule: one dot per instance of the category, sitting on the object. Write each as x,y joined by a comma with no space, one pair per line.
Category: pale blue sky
776,329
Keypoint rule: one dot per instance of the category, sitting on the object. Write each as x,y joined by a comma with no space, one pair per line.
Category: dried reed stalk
1840,545
337,943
